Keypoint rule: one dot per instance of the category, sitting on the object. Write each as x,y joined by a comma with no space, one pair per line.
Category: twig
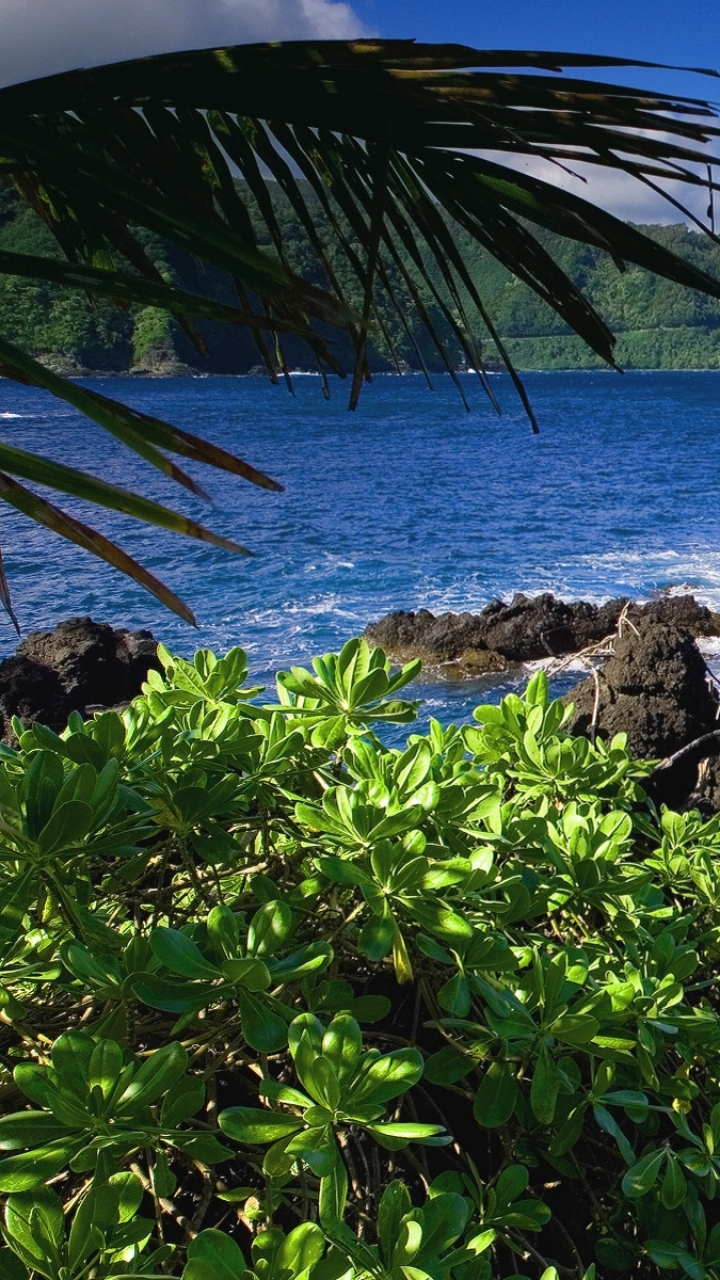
596,706
691,747
203,1203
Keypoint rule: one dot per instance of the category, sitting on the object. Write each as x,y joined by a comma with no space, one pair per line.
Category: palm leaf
379,147
51,517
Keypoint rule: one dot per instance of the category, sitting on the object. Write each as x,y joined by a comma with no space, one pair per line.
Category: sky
40,37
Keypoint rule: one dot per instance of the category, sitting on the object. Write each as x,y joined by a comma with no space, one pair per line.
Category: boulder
654,688
685,612
80,666
31,691
406,635
543,626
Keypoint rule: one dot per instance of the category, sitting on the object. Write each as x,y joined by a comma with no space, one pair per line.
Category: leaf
376,937
130,1193
387,1077
11,1267
251,974
511,1183
158,1073
118,285
610,1125
394,1205
263,1029
105,1066
250,1125
30,1214
545,1087
219,1251
71,1055
98,1211
201,1147
407,1243
395,1134
34,1169
454,996
30,1129
51,517
674,1186
17,462
568,1133
176,997
182,1101
643,1175
269,927
223,932
670,1255
444,1220
181,955
317,1148
320,1079
301,1249
342,1046
497,1096
447,1066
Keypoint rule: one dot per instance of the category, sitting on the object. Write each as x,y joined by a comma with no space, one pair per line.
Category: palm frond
391,141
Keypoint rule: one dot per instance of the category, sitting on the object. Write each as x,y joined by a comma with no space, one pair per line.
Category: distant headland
658,324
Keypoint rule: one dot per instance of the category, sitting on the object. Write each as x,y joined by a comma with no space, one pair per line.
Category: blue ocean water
408,502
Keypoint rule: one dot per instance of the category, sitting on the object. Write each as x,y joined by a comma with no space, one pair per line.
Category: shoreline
73,374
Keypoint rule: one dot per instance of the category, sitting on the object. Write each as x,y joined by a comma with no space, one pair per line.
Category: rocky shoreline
646,675
524,630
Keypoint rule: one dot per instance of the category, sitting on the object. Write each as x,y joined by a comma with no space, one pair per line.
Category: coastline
73,373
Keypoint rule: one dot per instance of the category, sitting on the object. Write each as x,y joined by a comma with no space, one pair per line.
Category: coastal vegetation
387,140
282,1003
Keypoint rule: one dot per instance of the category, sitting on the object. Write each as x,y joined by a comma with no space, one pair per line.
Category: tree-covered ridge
659,324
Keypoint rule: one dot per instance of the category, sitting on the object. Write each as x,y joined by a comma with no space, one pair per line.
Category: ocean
410,502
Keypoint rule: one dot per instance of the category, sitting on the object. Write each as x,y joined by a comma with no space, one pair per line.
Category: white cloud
625,196
40,37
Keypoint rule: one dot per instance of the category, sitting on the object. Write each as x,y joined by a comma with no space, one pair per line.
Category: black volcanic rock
526,629
654,688
79,666
543,626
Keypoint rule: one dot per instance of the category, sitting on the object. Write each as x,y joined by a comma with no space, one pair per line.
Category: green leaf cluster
280,1002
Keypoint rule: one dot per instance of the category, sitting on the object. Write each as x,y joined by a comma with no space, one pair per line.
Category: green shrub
279,1002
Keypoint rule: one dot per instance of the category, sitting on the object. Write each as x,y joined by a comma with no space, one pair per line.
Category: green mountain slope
658,324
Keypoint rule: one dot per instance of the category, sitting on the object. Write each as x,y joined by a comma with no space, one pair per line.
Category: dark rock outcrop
654,688
525,629
81,665
685,612
405,635
544,626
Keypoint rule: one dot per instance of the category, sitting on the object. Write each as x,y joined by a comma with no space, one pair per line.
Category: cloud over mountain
40,37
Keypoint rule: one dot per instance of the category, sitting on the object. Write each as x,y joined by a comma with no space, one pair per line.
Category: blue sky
665,31
44,36
652,30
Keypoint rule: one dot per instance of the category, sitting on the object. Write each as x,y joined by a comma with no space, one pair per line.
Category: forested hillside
659,325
